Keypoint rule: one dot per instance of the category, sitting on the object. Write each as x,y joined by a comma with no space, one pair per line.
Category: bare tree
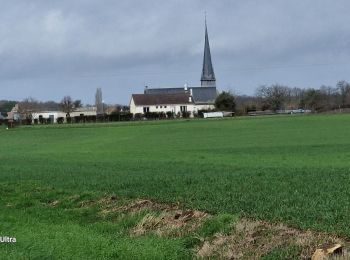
274,97
343,88
67,105
28,108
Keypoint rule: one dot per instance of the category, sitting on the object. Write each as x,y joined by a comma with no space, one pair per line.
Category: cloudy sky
49,49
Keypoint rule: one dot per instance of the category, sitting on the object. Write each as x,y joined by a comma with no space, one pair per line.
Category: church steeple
208,75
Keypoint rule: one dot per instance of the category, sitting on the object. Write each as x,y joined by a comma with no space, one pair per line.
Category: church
179,100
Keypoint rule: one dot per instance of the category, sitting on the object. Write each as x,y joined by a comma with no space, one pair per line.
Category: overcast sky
49,49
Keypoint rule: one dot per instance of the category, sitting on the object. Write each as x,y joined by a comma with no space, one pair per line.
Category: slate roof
201,95
161,99
164,90
204,95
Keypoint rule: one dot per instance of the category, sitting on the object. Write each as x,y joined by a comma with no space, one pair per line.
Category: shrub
60,120
82,118
170,114
101,118
77,119
114,117
152,115
162,115
225,102
27,121
185,114
126,116
138,116
90,119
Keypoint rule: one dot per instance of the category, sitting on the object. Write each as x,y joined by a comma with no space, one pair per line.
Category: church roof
207,71
161,99
201,95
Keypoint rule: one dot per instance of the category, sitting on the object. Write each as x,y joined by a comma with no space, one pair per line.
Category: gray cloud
52,48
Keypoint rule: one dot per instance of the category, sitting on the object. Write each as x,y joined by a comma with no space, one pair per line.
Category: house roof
164,90
201,95
161,99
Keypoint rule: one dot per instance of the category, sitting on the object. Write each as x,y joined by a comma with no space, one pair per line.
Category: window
145,109
161,106
183,108
156,107
164,106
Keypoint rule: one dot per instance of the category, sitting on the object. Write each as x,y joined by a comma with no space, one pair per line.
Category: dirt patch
173,222
251,239
162,219
110,205
141,204
245,239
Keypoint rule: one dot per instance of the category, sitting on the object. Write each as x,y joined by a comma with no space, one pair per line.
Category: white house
173,100
175,103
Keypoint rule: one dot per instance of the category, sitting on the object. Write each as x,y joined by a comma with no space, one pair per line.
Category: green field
289,169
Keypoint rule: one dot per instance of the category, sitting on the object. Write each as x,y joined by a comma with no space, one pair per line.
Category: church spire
208,76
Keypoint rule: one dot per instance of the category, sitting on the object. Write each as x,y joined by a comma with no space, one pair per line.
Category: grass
290,169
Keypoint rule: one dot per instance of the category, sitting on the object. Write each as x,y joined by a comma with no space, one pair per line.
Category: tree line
280,97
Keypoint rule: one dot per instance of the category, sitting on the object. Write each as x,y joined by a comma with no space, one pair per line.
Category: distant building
14,115
190,99
53,115
161,102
